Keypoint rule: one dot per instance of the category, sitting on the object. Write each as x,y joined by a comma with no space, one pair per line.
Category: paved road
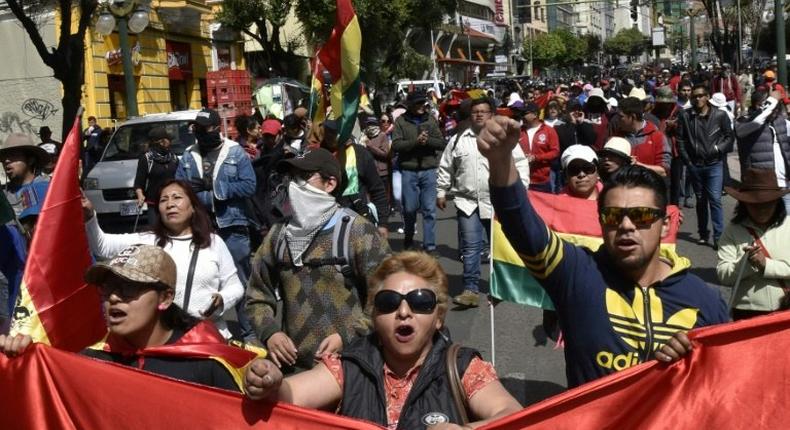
531,367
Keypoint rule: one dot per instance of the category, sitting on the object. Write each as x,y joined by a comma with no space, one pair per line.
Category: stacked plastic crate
230,93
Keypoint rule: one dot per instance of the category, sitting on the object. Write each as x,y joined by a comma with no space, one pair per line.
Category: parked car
109,184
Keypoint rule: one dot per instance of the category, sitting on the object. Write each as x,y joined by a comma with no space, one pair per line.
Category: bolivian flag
318,95
341,57
55,306
574,220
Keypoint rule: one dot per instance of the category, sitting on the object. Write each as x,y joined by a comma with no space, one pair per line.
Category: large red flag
55,305
737,377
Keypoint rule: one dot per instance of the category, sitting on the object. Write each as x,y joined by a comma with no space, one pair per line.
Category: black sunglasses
421,301
641,216
124,290
575,169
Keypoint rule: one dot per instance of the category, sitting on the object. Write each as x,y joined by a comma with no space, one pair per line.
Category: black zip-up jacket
704,140
430,396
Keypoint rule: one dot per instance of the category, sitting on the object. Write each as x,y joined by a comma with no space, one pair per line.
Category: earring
162,307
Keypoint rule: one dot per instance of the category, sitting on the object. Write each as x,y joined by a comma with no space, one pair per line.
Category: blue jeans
709,180
238,244
419,192
472,229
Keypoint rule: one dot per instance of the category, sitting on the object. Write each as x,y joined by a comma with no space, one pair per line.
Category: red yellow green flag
341,57
318,95
574,220
55,306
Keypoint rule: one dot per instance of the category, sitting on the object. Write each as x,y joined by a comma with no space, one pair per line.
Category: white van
109,184
402,87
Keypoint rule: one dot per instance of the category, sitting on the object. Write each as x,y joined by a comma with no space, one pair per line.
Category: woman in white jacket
206,284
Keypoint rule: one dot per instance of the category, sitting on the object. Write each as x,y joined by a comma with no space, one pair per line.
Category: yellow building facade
171,58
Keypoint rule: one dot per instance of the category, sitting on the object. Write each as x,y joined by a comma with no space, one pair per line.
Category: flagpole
490,298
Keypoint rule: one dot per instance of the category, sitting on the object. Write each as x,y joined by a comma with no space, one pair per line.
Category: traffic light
634,10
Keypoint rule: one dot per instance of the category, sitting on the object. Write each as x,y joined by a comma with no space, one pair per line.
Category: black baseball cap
531,108
314,160
206,118
159,132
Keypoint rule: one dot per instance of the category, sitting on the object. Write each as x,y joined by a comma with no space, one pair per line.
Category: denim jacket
233,179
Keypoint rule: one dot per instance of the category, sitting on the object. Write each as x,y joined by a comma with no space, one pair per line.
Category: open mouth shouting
404,333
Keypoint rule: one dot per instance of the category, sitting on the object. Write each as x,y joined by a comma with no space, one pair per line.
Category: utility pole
781,48
693,38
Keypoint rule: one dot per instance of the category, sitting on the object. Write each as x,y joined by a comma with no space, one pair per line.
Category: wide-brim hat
24,143
757,186
142,264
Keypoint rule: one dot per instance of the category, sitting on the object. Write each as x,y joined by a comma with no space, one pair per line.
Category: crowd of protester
290,227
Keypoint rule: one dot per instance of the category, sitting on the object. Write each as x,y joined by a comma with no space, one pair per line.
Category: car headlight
91,184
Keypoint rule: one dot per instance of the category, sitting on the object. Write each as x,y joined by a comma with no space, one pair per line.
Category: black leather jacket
704,140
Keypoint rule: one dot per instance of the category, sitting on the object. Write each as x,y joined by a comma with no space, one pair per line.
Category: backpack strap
190,277
340,239
280,247
456,387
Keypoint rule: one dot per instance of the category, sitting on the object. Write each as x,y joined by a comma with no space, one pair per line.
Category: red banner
735,378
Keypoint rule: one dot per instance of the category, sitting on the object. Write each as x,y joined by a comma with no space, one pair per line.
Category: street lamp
781,48
132,15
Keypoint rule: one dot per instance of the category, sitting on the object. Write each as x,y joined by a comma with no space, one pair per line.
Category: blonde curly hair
415,263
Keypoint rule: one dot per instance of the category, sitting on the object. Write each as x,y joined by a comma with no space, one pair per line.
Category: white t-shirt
215,271
531,135
779,162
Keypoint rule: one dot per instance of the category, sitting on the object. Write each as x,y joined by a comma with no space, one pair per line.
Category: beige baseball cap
145,264
618,146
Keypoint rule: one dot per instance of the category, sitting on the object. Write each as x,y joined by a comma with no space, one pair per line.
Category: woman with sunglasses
580,164
397,376
146,330
207,282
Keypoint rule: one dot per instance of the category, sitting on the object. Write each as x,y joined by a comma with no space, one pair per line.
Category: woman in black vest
398,376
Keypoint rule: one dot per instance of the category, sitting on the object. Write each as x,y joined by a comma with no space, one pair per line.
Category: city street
532,367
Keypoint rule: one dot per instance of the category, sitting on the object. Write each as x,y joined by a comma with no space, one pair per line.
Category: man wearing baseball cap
616,153
541,146
221,174
319,260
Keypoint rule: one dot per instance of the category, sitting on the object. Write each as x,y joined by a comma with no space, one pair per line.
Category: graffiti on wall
32,114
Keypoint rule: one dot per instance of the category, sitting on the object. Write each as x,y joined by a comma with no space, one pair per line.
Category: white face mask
309,208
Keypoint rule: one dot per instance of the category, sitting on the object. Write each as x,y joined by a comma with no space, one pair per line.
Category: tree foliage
559,48
593,46
263,21
387,27
628,42
67,59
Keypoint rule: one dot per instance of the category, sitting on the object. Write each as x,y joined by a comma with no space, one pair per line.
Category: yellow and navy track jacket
609,322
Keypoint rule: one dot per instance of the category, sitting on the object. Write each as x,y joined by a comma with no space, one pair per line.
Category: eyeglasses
421,301
124,290
576,168
641,216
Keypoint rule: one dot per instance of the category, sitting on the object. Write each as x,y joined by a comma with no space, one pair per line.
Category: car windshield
132,140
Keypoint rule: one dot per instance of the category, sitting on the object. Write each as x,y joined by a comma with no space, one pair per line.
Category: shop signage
499,12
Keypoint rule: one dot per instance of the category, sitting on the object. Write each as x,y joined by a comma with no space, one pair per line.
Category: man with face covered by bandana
221,174
323,294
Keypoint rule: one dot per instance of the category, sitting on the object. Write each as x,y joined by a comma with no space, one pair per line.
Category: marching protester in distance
249,131
763,141
649,147
154,167
294,134
580,165
573,130
684,94
718,101
595,109
463,177
146,329
397,376
265,205
23,163
93,144
726,82
704,137
667,111
417,141
597,295
541,146
317,261
378,144
52,147
220,173
757,237
207,285
360,181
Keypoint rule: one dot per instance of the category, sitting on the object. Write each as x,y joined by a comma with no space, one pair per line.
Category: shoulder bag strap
457,389
759,242
190,277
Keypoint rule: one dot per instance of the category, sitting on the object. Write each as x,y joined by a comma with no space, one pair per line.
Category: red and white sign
499,12
179,60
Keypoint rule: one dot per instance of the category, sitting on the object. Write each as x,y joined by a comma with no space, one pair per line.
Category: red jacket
545,146
650,146
730,87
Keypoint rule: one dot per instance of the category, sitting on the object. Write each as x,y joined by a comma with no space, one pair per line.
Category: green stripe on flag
513,283
350,108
